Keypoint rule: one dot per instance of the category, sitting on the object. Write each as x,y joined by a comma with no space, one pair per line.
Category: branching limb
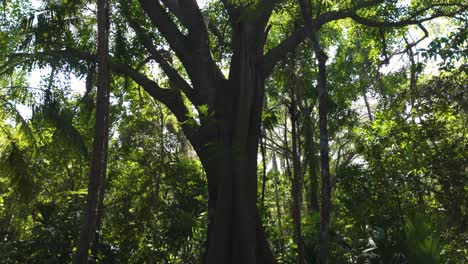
162,21
172,98
171,73
299,35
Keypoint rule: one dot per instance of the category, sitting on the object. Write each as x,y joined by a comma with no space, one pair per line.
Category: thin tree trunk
264,173
324,157
277,199
296,189
100,208
324,151
88,226
311,161
366,101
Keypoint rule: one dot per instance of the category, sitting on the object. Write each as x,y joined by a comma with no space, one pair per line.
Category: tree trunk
229,155
366,101
264,171
324,152
88,227
324,157
296,189
100,206
277,199
311,161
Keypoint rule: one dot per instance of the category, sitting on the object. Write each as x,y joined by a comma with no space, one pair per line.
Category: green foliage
399,180
422,240
15,166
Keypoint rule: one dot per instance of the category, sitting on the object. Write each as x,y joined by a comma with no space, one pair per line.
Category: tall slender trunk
311,161
100,206
98,162
324,152
324,157
277,199
296,189
366,101
414,159
264,171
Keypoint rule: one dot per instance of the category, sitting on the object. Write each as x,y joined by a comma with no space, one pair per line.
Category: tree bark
324,157
311,160
324,151
264,171
98,162
101,193
296,189
229,155
277,199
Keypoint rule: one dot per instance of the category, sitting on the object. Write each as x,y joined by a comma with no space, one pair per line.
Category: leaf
15,166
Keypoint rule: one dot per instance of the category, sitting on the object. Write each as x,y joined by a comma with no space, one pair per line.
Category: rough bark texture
88,227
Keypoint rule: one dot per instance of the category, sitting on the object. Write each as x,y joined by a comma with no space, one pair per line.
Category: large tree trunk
229,155
99,160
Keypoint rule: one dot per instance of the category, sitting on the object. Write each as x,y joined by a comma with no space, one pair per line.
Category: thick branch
389,24
189,14
277,53
297,37
192,50
169,97
168,28
300,34
171,73
219,36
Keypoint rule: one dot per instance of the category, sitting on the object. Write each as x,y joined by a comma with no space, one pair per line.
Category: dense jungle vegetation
233,131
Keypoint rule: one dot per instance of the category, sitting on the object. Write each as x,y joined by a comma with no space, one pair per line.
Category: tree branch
171,73
190,16
277,53
219,36
169,29
171,98
300,34
389,24
193,51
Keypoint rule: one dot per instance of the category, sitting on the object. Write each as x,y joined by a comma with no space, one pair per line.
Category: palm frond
14,165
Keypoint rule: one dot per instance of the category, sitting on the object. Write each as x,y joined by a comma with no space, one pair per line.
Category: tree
226,129
100,142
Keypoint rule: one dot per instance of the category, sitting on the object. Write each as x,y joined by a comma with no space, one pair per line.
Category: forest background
238,131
